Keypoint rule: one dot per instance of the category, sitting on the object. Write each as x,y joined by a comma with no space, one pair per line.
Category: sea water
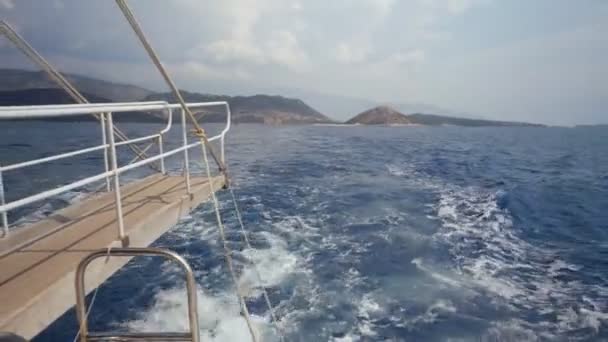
367,234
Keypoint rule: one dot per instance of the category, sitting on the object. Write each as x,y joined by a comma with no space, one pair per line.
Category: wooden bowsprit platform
37,263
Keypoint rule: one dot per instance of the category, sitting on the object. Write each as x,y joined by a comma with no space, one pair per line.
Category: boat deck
38,262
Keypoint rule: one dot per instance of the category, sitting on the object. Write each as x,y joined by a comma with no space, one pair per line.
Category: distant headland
385,115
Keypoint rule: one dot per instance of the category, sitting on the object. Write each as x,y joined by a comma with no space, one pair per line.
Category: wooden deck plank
37,263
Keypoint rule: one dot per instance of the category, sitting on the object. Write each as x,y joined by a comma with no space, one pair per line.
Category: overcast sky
535,60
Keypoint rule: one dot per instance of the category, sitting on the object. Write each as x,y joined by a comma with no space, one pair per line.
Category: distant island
382,115
23,87
385,115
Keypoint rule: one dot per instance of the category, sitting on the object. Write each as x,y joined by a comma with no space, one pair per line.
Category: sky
543,61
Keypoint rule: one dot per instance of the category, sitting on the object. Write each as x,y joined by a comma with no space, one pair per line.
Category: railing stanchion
2,202
228,121
186,158
118,201
160,151
104,141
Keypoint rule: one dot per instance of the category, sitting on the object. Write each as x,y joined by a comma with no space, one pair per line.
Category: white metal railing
112,170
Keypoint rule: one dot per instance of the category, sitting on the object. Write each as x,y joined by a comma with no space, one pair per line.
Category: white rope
56,76
126,11
122,4
227,252
255,268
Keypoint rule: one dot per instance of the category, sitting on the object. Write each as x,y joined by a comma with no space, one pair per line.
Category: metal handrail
113,171
52,158
81,310
32,112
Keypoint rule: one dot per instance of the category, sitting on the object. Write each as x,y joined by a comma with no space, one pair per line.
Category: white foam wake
490,257
267,267
219,317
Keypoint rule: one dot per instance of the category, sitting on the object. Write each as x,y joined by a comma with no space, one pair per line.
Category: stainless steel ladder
81,311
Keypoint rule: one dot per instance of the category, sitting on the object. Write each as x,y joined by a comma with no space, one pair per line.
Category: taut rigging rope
200,133
56,76
227,252
255,268
144,41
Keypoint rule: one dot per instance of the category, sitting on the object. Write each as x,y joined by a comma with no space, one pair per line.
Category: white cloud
58,4
354,52
7,4
460,6
198,70
452,6
399,64
296,6
283,48
280,47
382,7
246,40
409,57
226,51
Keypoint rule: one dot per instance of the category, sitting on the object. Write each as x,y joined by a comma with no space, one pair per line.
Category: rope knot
200,133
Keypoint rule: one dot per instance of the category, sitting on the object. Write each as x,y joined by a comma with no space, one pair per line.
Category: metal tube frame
160,151
110,155
186,157
81,310
104,142
114,164
4,214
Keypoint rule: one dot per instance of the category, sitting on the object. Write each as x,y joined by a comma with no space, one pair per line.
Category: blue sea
366,234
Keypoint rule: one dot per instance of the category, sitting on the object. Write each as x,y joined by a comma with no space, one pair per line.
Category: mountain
42,96
23,87
266,109
14,79
382,115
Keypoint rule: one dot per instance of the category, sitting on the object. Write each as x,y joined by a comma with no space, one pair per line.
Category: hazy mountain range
15,79
266,109
23,87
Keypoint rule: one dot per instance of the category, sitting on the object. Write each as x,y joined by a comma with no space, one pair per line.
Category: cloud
419,50
244,38
198,70
280,47
283,48
353,52
225,51
58,4
453,7
381,7
401,63
410,57
7,4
